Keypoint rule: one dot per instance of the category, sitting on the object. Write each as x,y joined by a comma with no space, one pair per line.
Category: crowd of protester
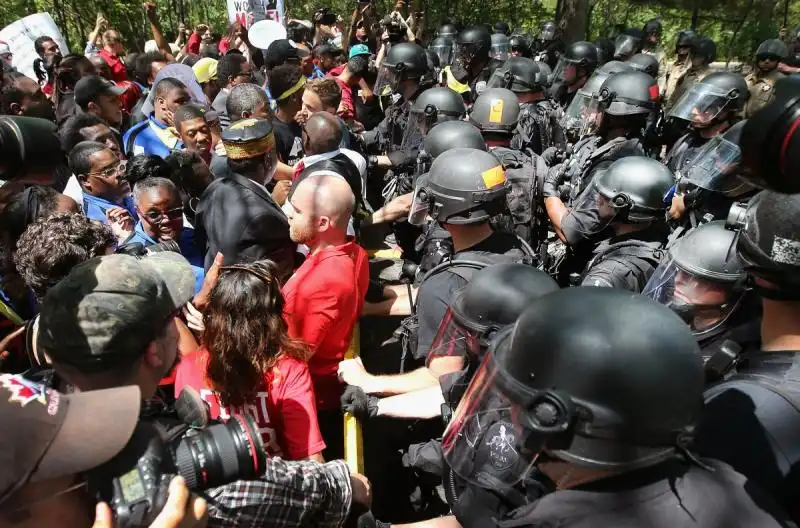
194,219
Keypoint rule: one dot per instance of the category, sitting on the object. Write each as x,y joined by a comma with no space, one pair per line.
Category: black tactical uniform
703,281
626,98
615,384
472,64
464,187
635,188
583,56
496,114
547,48
538,127
753,419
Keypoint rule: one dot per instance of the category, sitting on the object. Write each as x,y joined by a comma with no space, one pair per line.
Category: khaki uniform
762,91
679,79
659,54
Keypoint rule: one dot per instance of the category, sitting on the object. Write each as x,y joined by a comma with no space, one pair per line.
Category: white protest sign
20,36
238,11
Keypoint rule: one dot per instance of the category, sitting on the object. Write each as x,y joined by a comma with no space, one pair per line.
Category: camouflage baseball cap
108,309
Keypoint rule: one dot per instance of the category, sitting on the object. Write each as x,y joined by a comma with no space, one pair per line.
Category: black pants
331,425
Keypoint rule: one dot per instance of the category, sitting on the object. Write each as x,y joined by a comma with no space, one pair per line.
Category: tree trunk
573,19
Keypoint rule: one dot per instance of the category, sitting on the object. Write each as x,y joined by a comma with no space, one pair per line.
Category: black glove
355,401
367,520
550,156
551,183
403,159
476,508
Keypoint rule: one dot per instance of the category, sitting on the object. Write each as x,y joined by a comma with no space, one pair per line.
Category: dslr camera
206,454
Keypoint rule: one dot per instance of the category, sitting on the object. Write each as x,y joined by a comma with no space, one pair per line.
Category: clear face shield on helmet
715,168
591,211
388,80
444,52
702,303
548,33
420,123
700,105
455,339
501,78
583,115
500,51
420,202
625,46
484,443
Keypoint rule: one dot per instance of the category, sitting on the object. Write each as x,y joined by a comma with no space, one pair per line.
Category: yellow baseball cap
205,70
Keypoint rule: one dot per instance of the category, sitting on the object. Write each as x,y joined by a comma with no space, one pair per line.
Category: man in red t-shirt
349,76
111,53
325,295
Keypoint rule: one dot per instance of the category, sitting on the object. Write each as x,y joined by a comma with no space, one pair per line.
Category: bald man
321,138
324,297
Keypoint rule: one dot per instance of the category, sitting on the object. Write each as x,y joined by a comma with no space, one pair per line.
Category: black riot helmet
520,75
464,186
717,165
548,32
501,45
496,110
630,191
772,49
502,28
404,61
701,279
705,49
645,62
605,49
583,56
628,43
770,140
447,31
493,299
629,93
519,46
686,39
477,39
443,48
433,106
718,96
451,135
769,244
582,115
652,27
597,377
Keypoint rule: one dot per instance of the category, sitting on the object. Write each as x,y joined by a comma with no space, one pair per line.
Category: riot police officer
710,107
651,46
501,46
450,135
538,127
578,119
492,300
685,45
433,106
703,281
496,113
752,418
547,47
519,46
443,48
762,80
471,66
630,194
621,109
709,186
573,70
604,391
400,73
605,49
628,43
448,31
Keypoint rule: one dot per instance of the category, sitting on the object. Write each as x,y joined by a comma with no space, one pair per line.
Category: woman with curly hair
249,364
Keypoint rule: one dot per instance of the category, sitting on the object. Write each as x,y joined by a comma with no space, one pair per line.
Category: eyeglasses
158,218
114,170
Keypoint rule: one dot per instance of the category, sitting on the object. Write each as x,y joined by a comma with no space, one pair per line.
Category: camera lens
221,454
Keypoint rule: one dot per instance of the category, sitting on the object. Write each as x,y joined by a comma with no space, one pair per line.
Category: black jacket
239,218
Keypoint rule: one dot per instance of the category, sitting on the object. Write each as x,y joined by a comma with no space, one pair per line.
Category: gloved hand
367,520
355,401
551,184
402,159
550,156
476,508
